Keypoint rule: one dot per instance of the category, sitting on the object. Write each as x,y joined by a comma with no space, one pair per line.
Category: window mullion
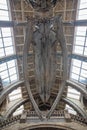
3,43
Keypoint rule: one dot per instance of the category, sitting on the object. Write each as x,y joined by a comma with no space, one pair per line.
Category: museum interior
43,64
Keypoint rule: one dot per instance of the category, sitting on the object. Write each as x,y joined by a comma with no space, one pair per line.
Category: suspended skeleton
45,41
45,58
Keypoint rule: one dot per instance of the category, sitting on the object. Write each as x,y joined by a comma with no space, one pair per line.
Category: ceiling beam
76,23
74,56
13,23
78,57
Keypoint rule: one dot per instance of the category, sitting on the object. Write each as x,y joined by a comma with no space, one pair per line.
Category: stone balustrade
10,121
60,114
78,119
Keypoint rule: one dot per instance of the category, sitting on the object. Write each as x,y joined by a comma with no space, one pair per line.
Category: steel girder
12,23
74,56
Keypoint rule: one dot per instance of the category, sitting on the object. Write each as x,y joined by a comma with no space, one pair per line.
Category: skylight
8,70
4,11
79,68
82,14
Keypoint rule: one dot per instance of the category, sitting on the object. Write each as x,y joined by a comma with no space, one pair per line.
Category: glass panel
84,65
74,76
0,32
82,16
81,31
13,78
79,40
86,41
83,1
83,80
82,12
78,50
6,32
8,41
80,46
1,44
9,50
2,52
12,71
11,63
6,82
83,5
76,62
3,66
4,13
4,18
83,73
75,70
85,51
3,6
3,2
6,47
4,74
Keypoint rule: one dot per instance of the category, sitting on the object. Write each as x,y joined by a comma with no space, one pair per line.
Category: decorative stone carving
39,5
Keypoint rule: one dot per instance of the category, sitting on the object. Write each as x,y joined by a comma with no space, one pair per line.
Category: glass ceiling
79,68
8,70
